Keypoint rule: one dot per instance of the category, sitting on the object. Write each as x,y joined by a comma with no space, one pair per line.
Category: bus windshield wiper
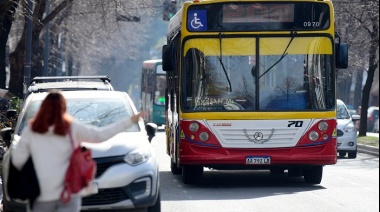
221,62
282,56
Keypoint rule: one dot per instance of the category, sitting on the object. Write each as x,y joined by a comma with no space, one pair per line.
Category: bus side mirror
166,58
341,51
151,130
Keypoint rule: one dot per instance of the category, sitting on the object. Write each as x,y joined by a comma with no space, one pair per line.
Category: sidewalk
371,150
368,150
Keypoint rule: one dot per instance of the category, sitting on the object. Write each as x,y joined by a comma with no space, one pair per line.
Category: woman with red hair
46,139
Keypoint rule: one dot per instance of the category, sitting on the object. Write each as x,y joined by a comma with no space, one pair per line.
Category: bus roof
151,64
152,61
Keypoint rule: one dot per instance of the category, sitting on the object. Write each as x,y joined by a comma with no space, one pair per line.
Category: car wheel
352,154
342,154
175,170
313,175
157,206
191,174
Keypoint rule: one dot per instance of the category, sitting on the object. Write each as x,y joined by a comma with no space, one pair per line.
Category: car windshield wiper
282,56
221,62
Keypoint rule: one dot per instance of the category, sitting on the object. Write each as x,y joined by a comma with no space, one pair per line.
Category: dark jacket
23,184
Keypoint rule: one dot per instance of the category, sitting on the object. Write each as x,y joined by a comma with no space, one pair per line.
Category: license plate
258,160
95,188
90,190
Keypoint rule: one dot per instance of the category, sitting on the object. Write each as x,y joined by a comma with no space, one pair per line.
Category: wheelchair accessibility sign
197,20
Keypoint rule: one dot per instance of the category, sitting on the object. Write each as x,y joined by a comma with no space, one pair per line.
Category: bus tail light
319,134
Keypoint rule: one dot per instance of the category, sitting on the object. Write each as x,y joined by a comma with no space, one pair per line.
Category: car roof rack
103,78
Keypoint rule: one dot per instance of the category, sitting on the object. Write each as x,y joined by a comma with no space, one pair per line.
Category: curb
368,149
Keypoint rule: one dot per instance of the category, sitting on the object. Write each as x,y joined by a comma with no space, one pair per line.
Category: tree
358,23
7,11
90,30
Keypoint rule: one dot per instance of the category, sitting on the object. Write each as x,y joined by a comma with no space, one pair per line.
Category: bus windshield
287,74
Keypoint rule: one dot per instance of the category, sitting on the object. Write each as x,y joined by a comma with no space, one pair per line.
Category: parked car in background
372,115
127,168
376,127
346,130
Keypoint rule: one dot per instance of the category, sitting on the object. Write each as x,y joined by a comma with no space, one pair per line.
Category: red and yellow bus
252,85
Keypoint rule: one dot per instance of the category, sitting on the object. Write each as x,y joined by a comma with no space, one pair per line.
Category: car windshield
342,112
97,112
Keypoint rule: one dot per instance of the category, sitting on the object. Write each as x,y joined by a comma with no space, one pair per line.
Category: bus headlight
323,126
194,127
204,136
313,136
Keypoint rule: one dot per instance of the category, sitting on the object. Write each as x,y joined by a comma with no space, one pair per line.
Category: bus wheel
313,175
191,174
175,169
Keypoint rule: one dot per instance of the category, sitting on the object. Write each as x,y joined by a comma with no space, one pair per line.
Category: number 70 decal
295,123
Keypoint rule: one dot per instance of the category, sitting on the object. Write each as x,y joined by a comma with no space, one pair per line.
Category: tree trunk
373,64
16,60
8,10
3,63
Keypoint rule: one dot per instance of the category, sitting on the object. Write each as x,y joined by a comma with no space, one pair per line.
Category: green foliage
15,104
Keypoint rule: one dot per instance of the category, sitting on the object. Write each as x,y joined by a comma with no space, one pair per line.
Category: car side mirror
11,113
6,135
355,117
151,130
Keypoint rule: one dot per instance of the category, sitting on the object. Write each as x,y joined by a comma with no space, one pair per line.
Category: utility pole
28,45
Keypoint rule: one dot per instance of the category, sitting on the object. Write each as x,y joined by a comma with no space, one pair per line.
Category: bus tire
175,169
191,174
313,175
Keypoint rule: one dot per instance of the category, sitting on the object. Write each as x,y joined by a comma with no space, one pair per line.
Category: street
350,185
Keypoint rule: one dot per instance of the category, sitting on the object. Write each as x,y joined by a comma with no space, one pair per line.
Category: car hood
119,144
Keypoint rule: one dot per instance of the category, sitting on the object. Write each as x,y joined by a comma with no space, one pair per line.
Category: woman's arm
93,134
20,151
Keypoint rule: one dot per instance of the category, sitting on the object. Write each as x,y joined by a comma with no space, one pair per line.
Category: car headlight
137,156
350,128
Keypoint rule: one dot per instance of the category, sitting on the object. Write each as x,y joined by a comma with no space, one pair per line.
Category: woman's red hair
52,113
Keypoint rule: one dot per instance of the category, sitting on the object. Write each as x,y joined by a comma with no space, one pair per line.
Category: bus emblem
258,137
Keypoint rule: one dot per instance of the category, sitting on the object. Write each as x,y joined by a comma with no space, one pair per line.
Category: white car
127,169
346,130
376,126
